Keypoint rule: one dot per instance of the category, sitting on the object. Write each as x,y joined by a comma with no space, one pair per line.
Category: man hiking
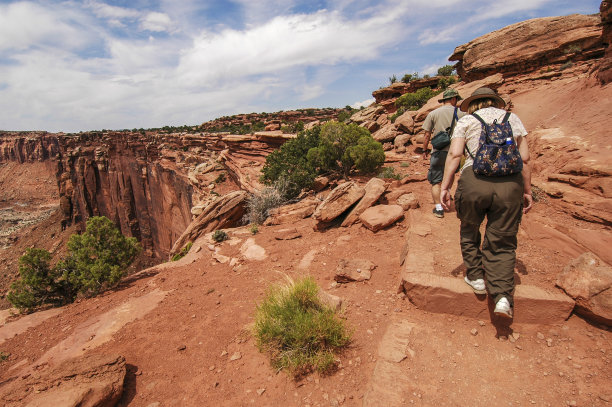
439,121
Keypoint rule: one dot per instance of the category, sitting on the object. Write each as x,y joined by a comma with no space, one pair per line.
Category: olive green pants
500,200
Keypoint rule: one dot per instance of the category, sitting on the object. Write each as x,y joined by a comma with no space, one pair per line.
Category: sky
121,64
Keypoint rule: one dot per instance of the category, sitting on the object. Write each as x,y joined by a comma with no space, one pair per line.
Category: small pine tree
98,258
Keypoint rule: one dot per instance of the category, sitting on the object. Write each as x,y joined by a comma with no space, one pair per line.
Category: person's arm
455,152
526,173
426,143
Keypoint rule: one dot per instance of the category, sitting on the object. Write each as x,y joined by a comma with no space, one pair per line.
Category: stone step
449,295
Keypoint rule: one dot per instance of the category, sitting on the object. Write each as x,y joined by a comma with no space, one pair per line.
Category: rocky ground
184,327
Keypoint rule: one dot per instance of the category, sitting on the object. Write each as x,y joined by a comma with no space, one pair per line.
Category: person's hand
445,199
527,202
425,154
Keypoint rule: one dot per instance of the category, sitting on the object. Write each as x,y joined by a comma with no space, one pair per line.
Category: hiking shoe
439,213
477,285
503,308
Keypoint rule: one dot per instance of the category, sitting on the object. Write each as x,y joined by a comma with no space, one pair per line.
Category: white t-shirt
469,127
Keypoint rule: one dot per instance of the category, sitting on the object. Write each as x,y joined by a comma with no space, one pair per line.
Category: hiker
440,123
496,188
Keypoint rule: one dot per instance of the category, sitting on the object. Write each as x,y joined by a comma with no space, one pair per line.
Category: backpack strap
485,127
480,119
453,122
506,117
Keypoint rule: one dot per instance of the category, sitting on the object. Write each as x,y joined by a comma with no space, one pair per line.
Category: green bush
389,172
39,283
219,236
97,259
407,78
183,252
260,204
392,79
254,228
446,81
289,164
415,100
4,356
446,70
343,147
299,332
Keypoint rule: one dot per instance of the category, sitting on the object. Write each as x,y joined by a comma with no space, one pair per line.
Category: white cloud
24,25
155,21
112,12
363,103
323,38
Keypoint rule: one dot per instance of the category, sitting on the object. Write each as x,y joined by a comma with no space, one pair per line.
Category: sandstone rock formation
337,202
90,381
226,211
529,45
605,70
374,188
588,280
349,270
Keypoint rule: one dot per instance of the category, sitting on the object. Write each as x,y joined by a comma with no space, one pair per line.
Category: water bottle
509,141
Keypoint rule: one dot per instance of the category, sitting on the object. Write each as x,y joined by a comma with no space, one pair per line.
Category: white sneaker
503,308
477,285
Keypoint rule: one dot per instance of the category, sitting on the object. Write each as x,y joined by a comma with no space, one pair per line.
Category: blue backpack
497,153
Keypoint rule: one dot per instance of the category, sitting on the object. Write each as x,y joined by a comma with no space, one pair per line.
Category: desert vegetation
298,331
96,261
333,148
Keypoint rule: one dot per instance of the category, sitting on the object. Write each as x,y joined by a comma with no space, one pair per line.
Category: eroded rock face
605,71
90,381
588,280
226,211
528,45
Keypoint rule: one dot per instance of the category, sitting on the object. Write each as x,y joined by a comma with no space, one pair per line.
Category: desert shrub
389,172
4,356
219,236
415,100
254,228
566,65
183,252
446,81
259,204
299,332
572,48
343,147
392,79
39,283
400,111
344,116
407,78
446,70
220,178
404,164
98,258
290,165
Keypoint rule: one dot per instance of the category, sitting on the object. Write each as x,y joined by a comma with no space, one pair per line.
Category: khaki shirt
440,119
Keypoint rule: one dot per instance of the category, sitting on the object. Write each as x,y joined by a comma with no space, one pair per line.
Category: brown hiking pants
500,199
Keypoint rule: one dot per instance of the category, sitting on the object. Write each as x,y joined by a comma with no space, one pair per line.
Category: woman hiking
495,183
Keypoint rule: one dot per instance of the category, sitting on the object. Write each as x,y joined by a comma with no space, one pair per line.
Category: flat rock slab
90,381
252,251
287,234
373,190
390,379
354,270
417,256
448,295
10,329
338,201
379,217
588,280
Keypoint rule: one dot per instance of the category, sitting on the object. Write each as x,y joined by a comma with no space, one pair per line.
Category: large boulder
373,190
349,270
405,122
368,114
386,133
379,217
588,280
528,45
89,381
225,211
338,201
293,212
605,71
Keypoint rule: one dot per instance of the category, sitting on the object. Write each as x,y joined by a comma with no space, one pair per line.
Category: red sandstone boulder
408,201
293,212
225,211
338,201
528,45
349,270
379,217
373,190
405,122
588,280
386,133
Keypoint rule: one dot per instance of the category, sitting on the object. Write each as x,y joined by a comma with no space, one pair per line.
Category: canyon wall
147,184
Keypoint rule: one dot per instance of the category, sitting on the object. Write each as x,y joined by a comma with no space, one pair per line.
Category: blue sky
85,65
